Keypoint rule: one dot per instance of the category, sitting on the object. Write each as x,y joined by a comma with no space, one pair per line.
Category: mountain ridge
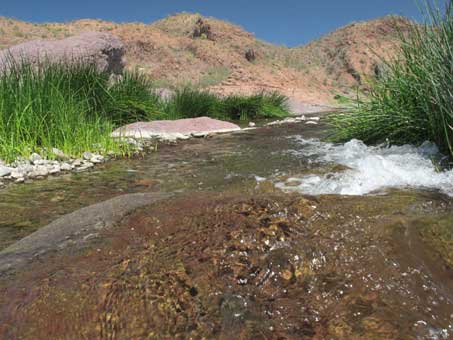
212,53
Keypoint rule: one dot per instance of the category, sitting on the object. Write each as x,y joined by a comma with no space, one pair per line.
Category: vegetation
412,100
54,106
189,103
214,76
74,107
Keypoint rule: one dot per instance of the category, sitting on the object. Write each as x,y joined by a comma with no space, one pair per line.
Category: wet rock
85,165
217,267
176,129
72,227
103,50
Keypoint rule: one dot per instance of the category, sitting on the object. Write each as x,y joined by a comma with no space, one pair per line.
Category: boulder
175,129
73,230
5,170
102,49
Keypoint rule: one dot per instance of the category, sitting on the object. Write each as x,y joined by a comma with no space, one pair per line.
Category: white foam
371,168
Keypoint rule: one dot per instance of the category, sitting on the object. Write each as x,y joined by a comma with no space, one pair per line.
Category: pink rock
175,129
102,49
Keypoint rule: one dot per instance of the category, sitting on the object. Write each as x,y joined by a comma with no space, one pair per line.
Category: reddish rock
102,49
175,129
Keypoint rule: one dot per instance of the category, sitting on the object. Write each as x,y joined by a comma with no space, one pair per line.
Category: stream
271,233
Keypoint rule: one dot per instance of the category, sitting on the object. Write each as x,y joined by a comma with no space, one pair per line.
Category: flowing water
272,234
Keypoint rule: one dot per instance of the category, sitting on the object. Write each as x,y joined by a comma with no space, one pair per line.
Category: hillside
212,53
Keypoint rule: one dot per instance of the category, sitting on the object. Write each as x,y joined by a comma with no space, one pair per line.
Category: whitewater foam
369,168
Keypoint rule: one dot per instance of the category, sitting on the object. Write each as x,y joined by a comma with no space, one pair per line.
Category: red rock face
102,49
169,128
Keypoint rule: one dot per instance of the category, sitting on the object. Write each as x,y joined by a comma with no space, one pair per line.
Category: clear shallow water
352,265
368,169
290,158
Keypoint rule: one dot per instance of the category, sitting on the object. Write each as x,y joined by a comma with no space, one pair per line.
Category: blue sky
288,22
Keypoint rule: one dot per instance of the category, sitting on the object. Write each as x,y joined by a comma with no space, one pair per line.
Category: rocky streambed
231,253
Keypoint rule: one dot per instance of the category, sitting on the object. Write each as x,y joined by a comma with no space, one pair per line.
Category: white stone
34,157
65,167
87,156
60,154
97,159
77,162
5,171
16,174
40,171
55,170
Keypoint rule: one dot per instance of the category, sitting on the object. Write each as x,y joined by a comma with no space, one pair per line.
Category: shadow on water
232,257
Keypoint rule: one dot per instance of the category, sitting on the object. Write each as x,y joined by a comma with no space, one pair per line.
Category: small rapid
368,169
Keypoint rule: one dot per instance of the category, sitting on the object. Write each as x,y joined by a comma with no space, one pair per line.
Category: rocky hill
224,57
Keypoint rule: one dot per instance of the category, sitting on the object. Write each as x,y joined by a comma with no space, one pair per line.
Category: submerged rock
72,228
175,129
211,266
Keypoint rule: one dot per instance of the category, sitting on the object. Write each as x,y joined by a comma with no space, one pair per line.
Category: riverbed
271,233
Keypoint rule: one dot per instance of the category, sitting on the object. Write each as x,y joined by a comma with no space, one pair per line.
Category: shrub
412,100
68,106
190,103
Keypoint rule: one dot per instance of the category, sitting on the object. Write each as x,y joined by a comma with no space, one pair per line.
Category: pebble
34,157
96,159
36,166
60,155
87,156
55,170
16,174
287,121
65,167
77,162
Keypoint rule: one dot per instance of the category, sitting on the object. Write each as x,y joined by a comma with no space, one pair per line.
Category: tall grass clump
69,106
412,101
190,103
